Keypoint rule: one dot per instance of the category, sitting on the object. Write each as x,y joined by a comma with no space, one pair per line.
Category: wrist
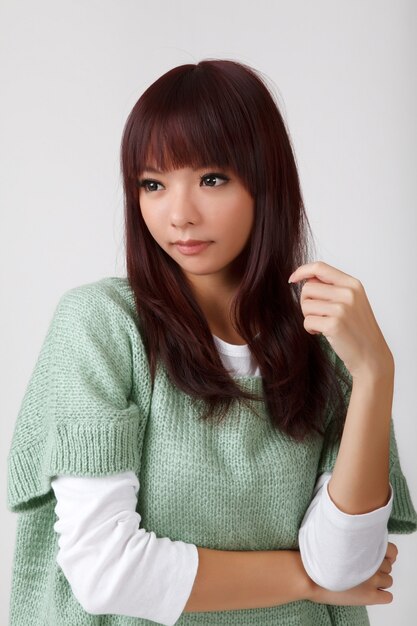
307,587
382,370
312,591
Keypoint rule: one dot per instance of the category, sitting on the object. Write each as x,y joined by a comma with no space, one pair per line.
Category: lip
190,242
192,249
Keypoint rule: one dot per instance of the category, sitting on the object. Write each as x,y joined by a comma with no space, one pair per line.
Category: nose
183,208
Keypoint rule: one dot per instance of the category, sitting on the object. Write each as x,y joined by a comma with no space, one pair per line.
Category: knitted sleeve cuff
84,449
403,519
80,414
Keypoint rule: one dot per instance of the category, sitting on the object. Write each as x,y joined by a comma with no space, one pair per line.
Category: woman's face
208,204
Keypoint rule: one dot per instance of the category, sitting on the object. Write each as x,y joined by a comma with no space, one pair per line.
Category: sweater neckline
253,383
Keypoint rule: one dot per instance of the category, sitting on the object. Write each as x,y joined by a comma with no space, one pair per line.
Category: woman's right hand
368,592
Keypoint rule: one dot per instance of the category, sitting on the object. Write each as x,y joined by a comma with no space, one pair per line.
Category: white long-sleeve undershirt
116,567
339,550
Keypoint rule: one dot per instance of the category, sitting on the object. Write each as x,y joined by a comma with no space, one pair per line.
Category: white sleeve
339,550
111,564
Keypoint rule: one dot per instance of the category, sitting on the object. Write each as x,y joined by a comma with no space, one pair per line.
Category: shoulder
108,291
109,300
96,318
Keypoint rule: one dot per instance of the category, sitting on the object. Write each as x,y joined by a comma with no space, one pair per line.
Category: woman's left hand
335,304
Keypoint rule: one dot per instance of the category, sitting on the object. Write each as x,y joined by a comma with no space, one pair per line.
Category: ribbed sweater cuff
85,448
403,519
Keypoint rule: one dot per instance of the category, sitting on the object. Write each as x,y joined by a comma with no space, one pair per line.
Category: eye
144,182
151,185
213,175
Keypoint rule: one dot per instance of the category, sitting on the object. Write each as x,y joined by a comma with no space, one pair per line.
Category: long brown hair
222,112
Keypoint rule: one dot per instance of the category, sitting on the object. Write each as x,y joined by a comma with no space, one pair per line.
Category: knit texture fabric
90,410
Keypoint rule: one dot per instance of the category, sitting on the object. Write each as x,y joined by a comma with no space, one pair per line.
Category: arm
115,567
111,564
246,580
228,580
335,305
360,479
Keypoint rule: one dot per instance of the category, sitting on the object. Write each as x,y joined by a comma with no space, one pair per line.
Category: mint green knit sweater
89,409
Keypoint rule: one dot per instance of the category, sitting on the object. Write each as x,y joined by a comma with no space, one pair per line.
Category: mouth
192,248
190,242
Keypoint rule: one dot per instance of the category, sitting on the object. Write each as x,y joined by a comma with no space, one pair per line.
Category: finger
316,324
386,566
320,307
321,291
383,581
326,273
392,552
384,597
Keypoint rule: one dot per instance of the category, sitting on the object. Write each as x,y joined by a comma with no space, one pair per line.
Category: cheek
152,224
243,217
156,232
148,216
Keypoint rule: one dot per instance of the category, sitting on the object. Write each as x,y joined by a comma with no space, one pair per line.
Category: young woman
202,442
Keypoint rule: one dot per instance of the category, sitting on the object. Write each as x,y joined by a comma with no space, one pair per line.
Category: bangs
180,143
192,120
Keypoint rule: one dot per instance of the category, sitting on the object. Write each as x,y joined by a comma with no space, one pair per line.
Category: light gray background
344,73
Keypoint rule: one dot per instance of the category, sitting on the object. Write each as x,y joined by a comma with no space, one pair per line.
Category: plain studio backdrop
344,74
